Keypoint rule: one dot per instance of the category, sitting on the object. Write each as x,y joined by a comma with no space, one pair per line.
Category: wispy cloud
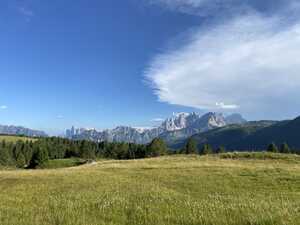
156,120
25,11
59,116
221,105
3,107
248,62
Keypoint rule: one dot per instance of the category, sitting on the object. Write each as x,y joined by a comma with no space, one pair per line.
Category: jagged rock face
210,121
179,121
16,130
181,125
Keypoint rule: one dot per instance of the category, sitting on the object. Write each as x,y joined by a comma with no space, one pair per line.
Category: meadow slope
189,190
12,138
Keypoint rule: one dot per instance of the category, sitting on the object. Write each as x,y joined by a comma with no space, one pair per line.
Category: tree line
191,147
32,154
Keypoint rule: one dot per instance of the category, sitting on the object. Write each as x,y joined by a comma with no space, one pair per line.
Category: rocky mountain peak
179,125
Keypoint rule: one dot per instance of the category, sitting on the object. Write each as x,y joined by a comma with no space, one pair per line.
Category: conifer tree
221,149
284,148
157,148
5,158
191,146
39,157
206,149
273,148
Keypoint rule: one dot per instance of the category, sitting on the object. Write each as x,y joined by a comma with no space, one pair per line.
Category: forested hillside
250,136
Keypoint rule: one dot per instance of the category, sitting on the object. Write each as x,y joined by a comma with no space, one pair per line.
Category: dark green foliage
206,149
191,146
272,148
18,154
5,158
34,154
250,136
284,148
157,148
221,149
87,150
39,158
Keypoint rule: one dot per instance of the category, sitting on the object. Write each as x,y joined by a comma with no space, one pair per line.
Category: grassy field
179,190
63,163
14,139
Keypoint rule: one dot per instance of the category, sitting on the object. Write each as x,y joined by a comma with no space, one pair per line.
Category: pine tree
273,148
220,150
20,160
284,148
39,158
87,150
207,149
5,158
191,147
18,154
157,148
27,152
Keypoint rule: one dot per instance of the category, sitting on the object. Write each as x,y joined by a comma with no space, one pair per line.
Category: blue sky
107,63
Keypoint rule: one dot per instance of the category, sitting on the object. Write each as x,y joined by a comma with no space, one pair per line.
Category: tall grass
169,190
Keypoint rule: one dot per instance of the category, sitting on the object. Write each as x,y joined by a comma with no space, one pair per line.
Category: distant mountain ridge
179,126
18,130
255,135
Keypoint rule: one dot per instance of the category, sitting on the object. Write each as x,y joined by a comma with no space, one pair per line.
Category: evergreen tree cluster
34,154
284,148
191,147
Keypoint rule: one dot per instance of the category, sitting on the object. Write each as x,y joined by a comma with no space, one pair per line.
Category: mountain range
256,135
177,127
18,130
233,132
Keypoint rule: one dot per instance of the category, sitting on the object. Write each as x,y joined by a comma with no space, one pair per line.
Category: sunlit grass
63,163
14,139
169,190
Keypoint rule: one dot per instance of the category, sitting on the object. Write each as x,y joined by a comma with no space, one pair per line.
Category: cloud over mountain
249,62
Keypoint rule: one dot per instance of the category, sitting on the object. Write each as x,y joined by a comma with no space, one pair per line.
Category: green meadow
11,138
183,190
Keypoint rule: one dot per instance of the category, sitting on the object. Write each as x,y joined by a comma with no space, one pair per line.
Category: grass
63,163
259,156
181,190
11,138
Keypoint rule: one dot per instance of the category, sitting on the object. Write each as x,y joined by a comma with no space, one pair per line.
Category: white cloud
60,117
251,62
157,120
3,107
221,105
